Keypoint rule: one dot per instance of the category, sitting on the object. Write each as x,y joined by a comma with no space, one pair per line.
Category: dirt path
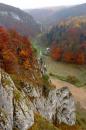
78,93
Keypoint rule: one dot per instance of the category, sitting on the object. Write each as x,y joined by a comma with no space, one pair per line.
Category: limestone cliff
17,107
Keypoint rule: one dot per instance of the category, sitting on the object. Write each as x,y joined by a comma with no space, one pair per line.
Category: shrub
17,95
72,79
46,85
46,77
42,124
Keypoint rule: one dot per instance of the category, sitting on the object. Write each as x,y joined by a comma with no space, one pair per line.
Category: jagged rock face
58,107
6,102
17,109
23,113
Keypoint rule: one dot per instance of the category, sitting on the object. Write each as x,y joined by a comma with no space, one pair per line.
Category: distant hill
50,17
78,10
43,14
19,20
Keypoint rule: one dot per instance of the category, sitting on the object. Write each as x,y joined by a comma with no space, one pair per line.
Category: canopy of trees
69,38
15,51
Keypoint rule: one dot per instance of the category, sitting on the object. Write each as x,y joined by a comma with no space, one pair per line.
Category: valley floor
63,70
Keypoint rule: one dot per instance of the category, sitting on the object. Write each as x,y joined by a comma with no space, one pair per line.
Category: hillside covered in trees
15,18
67,40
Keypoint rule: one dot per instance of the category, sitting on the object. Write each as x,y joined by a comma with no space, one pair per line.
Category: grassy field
72,73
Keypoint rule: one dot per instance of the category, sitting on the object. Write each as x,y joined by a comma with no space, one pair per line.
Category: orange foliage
23,54
13,49
9,61
80,57
27,64
68,57
56,53
4,38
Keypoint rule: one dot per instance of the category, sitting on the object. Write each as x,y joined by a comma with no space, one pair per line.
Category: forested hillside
72,11
14,18
67,40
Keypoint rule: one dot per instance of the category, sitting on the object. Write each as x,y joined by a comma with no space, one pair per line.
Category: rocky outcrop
57,107
6,102
17,107
23,112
